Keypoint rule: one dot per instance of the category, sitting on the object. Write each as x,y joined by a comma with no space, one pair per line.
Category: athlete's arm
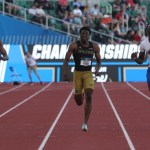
66,60
140,58
3,52
98,59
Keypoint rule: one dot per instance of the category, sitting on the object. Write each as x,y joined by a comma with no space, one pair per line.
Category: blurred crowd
125,19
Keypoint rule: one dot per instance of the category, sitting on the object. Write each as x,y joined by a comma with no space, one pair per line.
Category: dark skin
140,59
3,52
84,39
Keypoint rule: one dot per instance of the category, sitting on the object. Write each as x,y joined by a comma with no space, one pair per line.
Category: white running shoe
84,127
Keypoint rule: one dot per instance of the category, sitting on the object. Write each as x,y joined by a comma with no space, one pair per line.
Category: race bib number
85,62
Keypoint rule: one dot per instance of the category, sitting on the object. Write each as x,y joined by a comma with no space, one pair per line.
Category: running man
3,53
32,65
83,52
144,49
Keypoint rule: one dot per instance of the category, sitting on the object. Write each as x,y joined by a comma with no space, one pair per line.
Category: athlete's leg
88,86
148,78
88,104
78,86
79,99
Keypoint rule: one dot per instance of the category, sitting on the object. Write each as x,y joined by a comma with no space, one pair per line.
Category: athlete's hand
66,78
134,55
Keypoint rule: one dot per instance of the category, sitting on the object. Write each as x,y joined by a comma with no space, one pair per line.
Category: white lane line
119,119
135,89
25,100
54,123
12,89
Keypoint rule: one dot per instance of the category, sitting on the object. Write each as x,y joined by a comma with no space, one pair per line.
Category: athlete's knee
88,98
88,94
78,99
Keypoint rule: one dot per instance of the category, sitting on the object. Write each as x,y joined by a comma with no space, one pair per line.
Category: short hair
85,28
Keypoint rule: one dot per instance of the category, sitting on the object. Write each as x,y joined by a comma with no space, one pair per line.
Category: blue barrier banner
117,64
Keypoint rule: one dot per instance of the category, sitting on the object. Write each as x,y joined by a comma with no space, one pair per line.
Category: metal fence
53,23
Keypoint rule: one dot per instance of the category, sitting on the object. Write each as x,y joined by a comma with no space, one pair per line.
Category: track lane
141,87
104,130
26,127
134,110
6,88
12,98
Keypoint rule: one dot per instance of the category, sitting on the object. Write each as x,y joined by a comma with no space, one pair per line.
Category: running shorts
82,80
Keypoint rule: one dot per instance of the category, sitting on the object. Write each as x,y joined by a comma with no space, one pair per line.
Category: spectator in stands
37,2
11,8
68,18
129,36
137,2
61,9
143,12
41,14
77,15
46,5
32,12
119,16
136,37
133,15
63,3
95,12
117,32
87,15
79,4
130,3
116,7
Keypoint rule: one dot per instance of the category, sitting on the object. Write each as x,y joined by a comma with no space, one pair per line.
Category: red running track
45,117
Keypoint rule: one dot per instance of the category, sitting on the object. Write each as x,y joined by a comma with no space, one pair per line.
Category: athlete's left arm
98,59
3,52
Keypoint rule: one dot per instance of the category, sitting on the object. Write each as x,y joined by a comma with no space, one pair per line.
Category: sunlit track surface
6,88
49,112
16,96
141,88
133,109
25,127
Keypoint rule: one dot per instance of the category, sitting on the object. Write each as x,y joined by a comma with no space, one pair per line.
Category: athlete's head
85,33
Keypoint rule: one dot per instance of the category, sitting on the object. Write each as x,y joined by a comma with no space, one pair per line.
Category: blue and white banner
117,64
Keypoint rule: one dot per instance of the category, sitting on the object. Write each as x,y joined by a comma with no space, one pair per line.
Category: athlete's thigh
77,82
88,80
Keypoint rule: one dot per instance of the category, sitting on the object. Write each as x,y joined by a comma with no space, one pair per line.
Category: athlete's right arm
66,61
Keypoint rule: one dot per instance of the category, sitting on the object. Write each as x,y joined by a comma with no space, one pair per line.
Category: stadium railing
56,24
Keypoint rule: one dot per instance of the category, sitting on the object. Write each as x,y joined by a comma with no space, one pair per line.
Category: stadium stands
54,17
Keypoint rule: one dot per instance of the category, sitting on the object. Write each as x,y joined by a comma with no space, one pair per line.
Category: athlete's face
84,35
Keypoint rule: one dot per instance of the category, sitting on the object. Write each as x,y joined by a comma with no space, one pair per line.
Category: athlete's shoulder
95,46
73,45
